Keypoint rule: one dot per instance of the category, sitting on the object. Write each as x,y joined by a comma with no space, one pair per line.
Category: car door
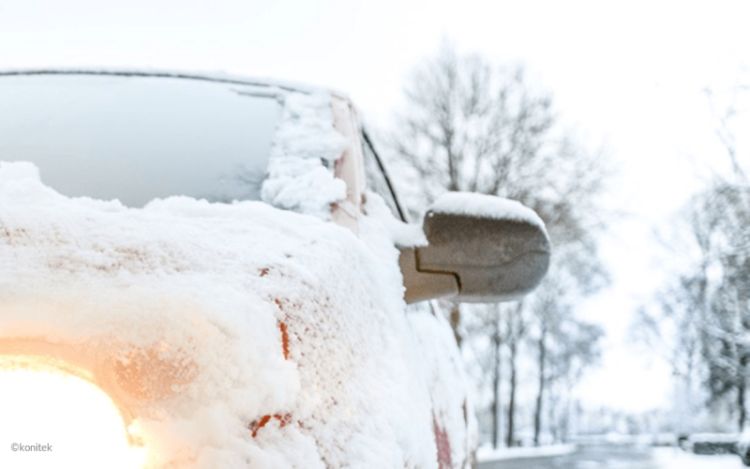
441,367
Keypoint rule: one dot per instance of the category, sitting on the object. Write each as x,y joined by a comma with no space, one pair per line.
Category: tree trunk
496,370
741,391
510,436
542,344
455,322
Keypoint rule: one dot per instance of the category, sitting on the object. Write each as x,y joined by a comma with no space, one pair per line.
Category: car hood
232,335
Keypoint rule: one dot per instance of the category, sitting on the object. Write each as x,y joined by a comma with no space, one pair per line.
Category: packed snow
466,203
241,335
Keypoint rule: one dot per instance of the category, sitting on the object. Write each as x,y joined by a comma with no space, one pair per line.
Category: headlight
52,417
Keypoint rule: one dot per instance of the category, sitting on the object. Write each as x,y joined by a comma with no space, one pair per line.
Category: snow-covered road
621,457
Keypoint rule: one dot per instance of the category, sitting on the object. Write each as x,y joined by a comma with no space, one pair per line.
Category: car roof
217,77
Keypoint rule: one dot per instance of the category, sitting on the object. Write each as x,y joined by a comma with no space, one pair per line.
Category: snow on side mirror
480,249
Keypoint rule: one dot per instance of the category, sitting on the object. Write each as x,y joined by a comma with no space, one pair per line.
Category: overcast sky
626,75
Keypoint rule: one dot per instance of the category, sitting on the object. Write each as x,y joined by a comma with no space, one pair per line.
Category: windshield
139,138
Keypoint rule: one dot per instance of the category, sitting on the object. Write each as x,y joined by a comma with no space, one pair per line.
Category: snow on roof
467,203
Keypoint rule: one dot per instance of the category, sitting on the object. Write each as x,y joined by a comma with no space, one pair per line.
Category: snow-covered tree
704,313
468,125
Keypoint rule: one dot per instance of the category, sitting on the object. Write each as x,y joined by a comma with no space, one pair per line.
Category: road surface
620,457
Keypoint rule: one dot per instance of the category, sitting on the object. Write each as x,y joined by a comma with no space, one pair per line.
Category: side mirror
480,249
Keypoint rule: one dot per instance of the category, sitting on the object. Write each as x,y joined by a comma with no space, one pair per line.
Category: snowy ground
668,458
487,454
618,457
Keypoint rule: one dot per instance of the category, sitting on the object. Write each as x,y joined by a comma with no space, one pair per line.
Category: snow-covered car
215,272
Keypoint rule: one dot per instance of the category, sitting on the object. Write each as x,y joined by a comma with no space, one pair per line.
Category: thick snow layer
467,203
305,147
241,335
442,370
401,234
488,454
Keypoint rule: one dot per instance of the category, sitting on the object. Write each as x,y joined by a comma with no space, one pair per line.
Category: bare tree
497,335
708,305
471,126
517,325
564,345
726,328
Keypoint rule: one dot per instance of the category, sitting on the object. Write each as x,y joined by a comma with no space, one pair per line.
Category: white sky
628,75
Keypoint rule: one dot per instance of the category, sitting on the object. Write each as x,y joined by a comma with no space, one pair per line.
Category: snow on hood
283,336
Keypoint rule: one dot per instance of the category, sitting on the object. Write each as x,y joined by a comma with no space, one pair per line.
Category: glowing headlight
52,418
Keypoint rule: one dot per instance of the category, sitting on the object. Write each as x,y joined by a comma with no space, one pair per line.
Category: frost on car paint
195,293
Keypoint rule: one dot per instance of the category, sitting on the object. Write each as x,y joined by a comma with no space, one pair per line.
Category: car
201,270
713,443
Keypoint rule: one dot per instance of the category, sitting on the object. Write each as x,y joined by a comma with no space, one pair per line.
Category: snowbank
488,454
240,335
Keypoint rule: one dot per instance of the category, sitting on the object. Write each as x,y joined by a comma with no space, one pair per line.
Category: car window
139,138
377,179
